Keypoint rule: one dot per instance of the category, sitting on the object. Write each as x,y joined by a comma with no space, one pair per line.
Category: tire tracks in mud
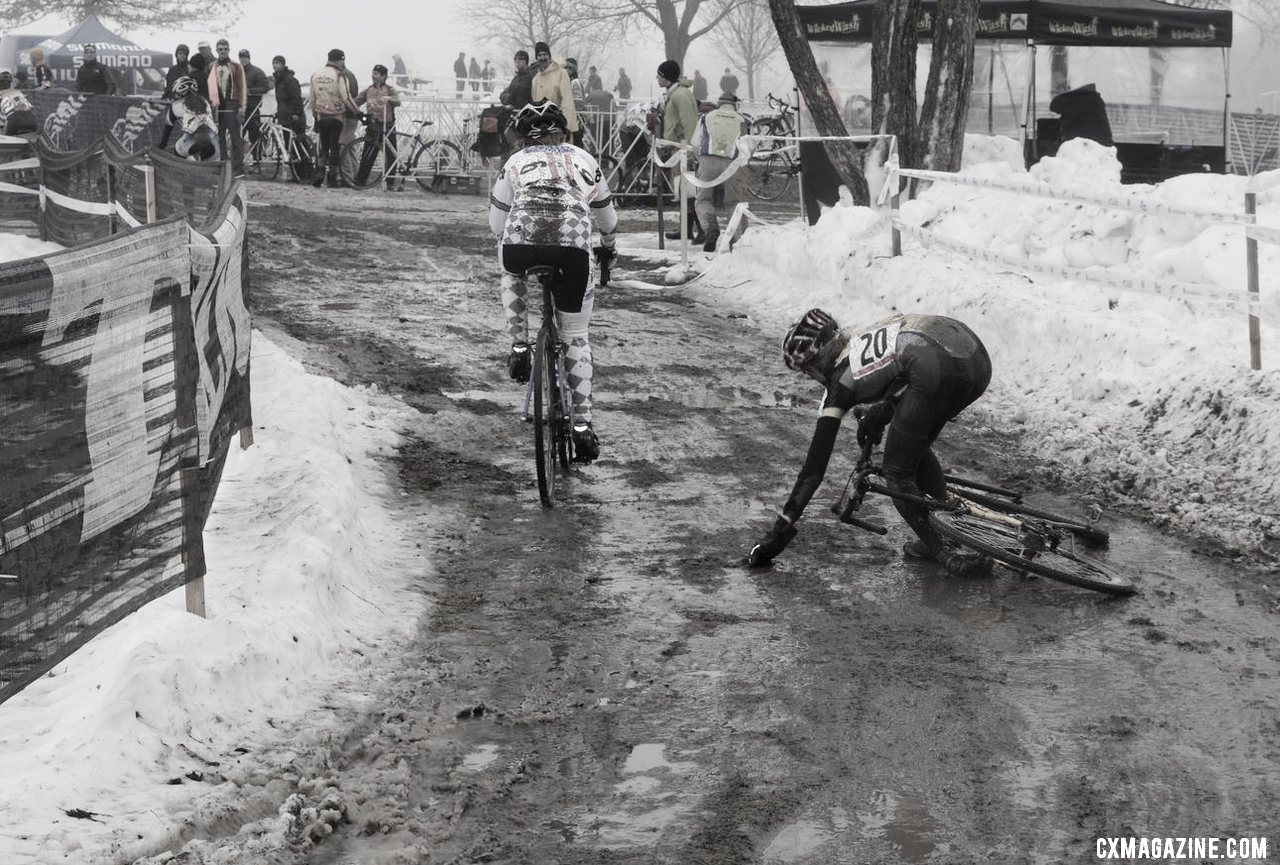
603,682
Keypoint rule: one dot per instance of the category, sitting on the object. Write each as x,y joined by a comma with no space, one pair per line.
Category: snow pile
308,569
1146,399
16,246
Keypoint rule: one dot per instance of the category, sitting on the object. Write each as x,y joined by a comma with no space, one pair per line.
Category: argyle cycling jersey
548,193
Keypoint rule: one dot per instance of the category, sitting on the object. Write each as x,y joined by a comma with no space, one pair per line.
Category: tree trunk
845,158
893,74
946,99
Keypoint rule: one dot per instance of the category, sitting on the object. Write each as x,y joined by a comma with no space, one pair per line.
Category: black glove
871,422
772,543
604,257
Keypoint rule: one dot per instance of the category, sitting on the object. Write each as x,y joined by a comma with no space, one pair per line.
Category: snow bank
1146,398
307,573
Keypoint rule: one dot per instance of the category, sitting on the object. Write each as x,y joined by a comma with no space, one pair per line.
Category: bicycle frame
552,329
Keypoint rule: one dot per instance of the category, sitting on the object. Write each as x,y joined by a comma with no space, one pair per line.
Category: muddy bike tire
769,177
436,160
1090,534
545,419
265,158
1002,544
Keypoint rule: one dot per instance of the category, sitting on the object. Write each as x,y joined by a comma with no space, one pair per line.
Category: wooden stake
1251,263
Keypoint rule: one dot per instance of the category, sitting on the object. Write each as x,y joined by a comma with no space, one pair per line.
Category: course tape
1240,300
20,164
21,190
744,150
1263,233
1121,202
96,208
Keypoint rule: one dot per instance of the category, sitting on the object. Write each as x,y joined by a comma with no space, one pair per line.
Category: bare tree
946,97
746,36
893,74
680,21
813,87
562,24
188,14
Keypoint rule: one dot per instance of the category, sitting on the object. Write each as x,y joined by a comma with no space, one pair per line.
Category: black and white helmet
539,118
806,338
184,85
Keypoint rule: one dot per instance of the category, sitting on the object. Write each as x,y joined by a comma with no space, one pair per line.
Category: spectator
44,75
699,86
460,72
593,80
579,97
474,73
679,120
624,85
1084,115
729,82
715,141
380,100
486,75
259,85
229,95
181,68
200,65
599,113
290,111
330,100
92,76
21,80
351,121
519,92
400,71
551,81
17,117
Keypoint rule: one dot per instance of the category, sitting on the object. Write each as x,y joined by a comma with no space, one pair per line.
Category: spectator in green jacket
679,120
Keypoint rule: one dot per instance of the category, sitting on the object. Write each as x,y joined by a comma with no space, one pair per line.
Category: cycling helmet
538,118
806,338
184,85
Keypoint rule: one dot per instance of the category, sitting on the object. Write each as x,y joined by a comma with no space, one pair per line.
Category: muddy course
605,682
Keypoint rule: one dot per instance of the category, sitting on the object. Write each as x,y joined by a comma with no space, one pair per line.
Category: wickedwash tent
1162,68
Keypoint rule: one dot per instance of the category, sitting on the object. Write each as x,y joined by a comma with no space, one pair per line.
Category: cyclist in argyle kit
910,373
542,209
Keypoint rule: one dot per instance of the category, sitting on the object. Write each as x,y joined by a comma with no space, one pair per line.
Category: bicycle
995,522
548,390
774,161
276,146
412,157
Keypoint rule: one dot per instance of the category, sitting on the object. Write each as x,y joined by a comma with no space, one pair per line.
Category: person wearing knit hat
679,120
180,69
551,81
519,92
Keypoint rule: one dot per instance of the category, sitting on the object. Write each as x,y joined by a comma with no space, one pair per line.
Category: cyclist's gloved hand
872,419
772,543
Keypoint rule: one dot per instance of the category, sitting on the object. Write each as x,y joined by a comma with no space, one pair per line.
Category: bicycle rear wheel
768,178
1087,532
1004,544
436,160
357,172
546,418
265,158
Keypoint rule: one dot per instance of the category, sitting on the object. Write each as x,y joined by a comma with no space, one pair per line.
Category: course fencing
124,377
1245,300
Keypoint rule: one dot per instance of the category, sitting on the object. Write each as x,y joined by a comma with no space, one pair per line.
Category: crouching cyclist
911,373
541,209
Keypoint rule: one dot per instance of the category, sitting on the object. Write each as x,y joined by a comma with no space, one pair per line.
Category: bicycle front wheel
1004,544
546,418
768,178
435,161
361,170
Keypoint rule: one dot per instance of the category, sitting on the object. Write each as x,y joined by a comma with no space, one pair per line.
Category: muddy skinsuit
933,366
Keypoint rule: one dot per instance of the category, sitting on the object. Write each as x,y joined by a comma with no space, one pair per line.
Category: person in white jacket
715,141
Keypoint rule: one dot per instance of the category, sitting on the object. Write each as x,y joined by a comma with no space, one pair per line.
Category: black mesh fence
18,170
77,194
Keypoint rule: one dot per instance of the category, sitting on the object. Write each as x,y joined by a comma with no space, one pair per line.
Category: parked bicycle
996,523
276,147
774,161
399,155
